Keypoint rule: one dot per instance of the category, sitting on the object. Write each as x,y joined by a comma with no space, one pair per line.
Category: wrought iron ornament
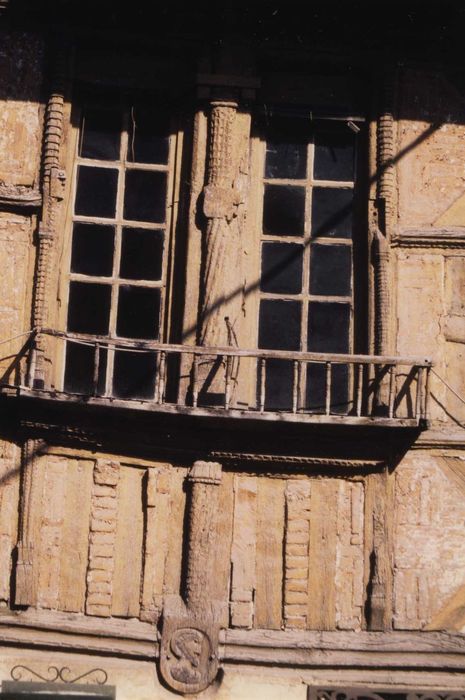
95,675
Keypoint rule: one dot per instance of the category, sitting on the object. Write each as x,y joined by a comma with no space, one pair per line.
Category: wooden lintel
385,650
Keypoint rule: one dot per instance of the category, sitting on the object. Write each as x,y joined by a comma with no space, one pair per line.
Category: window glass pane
89,308
328,327
92,251
141,254
281,268
138,312
148,136
330,269
286,149
284,210
278,385
79,372
100,134
279,324
315,394
334,155
332,212
96,191
134,375
145,196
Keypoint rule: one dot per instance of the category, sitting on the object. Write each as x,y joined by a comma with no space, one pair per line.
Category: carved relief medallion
188,662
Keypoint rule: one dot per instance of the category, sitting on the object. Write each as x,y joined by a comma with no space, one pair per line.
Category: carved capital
205,473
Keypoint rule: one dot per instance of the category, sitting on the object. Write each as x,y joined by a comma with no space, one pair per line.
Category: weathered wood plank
321,580
174,525
221,557
269,554
128,544
75,538
243,580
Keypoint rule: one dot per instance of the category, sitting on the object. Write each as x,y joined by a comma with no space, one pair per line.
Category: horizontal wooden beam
374,650
258,353
208,412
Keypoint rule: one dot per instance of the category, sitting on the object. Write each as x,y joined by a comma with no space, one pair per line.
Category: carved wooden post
189,643
220,203
53,180
25,575
223,281
379,486
385,192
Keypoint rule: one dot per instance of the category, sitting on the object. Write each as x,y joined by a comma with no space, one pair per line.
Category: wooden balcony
271,385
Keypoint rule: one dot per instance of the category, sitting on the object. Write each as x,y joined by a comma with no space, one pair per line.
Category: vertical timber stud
379,498
53,185
189,641
26,576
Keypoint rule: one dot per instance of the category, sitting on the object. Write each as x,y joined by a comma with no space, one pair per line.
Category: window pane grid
126,301
323,243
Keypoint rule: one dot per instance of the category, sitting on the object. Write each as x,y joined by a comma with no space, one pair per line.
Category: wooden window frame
122,165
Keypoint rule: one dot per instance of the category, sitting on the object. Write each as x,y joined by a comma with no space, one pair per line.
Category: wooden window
120,245
307,278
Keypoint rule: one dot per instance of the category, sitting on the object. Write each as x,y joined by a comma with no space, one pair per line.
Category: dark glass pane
79,371
278,385
100,134
279,324
315,394
89,308
145,196
134,375
138,312
330,269
92,251
334,155
96,191
148,136
286,148
332,212
281,268
328,327
141,254
284,210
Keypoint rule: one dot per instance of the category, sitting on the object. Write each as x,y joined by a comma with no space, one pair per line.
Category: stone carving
188,649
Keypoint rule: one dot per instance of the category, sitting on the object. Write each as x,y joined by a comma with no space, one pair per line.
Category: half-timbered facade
232,320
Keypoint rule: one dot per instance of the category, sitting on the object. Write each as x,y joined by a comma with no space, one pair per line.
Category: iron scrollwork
64,674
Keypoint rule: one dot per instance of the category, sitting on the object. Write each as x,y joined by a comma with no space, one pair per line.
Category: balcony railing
232,382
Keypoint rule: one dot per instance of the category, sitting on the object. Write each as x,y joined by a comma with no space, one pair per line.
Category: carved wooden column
223,274
220,296
189,642
53,181
379,496
386,206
